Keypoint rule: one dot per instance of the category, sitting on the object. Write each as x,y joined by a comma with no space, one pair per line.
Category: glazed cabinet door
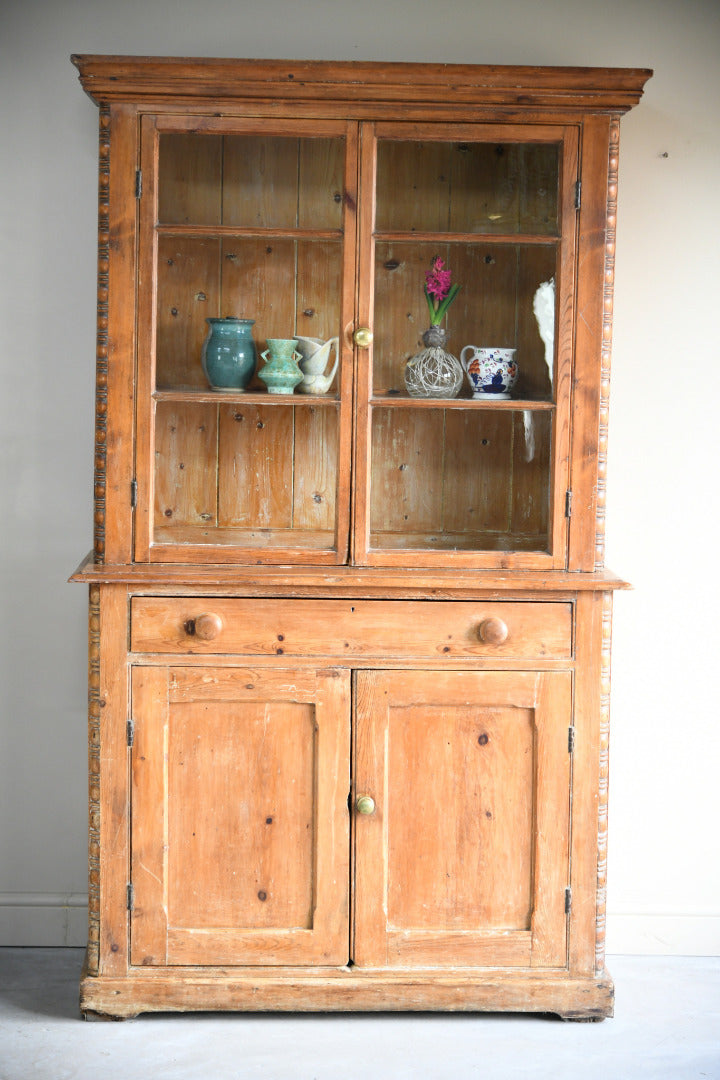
239,816
462,858
465,465
250,220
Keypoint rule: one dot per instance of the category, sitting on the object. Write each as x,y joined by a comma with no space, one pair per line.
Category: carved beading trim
603,783
94,710
101,363
606,348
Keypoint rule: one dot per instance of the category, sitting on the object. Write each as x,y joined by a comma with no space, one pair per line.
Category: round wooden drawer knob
493,631
207,626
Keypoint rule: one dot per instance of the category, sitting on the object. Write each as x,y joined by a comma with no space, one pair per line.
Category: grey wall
664,866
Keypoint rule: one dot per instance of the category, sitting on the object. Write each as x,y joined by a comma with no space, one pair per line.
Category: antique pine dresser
350,651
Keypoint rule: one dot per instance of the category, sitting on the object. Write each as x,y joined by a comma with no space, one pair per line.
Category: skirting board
43,919
663,935
54,919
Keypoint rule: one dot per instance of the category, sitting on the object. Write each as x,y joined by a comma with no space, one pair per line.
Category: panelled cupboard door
240,831
464,860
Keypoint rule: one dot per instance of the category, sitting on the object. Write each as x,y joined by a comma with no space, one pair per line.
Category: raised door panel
239,816
465,858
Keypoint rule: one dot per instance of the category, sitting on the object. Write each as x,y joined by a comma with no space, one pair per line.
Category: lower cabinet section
304,835
240,823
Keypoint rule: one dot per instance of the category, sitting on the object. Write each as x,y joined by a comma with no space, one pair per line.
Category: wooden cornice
155,79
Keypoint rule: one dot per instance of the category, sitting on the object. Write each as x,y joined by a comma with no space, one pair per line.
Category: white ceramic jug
314,357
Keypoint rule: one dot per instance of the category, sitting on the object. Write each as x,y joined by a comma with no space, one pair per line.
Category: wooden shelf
453,541
400,400
417,237
243,231
252,539
189,396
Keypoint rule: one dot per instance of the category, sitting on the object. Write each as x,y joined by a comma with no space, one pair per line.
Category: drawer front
382,629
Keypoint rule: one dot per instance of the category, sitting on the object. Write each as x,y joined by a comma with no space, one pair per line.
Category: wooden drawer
384,629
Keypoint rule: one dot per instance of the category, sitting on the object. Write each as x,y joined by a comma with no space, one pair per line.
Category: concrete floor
666,1027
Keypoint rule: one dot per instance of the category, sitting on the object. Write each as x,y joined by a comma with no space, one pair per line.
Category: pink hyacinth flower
438,280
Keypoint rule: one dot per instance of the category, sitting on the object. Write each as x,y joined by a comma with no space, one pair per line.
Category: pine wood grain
247,860
589,344
345,990
252,497
186,468
413,895
116,334
290,193
108,796
526,87
363,627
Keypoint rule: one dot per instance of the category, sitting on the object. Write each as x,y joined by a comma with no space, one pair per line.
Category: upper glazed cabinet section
294,242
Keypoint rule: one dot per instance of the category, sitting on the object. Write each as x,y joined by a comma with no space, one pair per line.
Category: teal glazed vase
228,354
281,373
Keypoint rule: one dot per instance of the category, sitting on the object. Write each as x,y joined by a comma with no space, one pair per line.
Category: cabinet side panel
590,778
606,353
109,778
596,247
603,783
93,950
116,338
101,353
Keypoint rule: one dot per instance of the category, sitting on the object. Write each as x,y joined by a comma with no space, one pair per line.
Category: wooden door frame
567,136
152,125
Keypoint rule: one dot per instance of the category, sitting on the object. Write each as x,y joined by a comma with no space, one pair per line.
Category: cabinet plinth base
123,997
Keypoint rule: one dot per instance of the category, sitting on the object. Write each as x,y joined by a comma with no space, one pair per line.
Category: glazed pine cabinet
350,644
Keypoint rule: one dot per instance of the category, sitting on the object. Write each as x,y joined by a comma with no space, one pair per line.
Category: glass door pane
254,227
468,474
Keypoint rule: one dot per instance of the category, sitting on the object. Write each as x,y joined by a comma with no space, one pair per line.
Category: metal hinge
130,727
133,494
571,739
138,183
130,897
578,194
568,503
568,900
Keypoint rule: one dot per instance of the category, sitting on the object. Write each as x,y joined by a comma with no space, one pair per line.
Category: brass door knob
365,804
207,626
363,337
493,631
